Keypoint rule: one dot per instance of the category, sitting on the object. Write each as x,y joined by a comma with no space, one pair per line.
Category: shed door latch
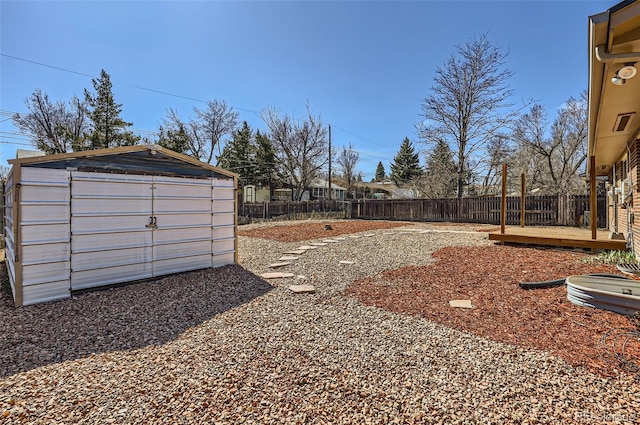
153,223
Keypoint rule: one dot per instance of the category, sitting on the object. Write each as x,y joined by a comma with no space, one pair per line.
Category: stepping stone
355,236
288,258
319,243
347,262
301,277
295,251
368,235
340,238
302,289
306,247
330,241
276,275
276,265
388,233
460,303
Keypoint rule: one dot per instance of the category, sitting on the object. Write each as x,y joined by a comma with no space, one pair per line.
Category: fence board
563,210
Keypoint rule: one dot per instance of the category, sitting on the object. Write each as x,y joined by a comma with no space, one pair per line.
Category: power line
46,65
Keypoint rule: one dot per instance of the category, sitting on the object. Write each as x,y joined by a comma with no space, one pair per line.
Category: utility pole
329,161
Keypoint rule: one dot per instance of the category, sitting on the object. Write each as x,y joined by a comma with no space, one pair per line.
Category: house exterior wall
628,204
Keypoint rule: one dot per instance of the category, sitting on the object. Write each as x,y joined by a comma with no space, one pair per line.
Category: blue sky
364,66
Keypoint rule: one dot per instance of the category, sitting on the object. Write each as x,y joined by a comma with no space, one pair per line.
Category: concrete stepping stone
368,235
275,275
340,238
388,233
306,247
302,289
281,264
288,258
355,236
330,241
460,303
319,243
295,251
347,262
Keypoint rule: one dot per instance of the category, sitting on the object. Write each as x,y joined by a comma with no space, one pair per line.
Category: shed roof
139,159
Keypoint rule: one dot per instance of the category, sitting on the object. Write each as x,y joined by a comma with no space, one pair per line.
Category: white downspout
605,57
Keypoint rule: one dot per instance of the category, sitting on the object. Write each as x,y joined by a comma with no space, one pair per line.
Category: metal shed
88,219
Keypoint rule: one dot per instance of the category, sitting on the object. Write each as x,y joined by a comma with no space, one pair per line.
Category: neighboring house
252,193
614,113
320,190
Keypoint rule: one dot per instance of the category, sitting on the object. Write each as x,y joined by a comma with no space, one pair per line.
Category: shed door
127,227
111,240
182,219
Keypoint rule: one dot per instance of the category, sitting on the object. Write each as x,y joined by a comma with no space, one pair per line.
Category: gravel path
223,346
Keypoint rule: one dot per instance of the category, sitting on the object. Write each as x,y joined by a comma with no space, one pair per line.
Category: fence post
523,197
503,203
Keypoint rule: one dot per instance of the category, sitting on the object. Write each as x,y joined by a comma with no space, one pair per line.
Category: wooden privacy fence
272,209
563,210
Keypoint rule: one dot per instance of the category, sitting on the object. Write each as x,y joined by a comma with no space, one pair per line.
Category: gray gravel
224,346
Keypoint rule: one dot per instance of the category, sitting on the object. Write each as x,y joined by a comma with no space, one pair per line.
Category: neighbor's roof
321,183
140,159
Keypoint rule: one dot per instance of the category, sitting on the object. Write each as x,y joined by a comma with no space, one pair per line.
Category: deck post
593,197
523,194
503,203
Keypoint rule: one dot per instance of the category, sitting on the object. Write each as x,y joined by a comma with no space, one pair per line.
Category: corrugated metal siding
110,238
83,229
182,211
223,221
9,238
44,207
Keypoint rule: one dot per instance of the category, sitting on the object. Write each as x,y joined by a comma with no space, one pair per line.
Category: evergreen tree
406,164
177,140
380,172
440,179
107,128
266,161
238,155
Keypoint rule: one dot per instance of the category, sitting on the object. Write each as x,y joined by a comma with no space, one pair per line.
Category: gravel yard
225,346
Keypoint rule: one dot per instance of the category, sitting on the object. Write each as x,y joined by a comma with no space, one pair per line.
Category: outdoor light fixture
627,71
624,73
617,80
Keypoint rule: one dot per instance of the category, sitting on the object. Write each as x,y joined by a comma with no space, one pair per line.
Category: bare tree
347,160
561,147
468,104
498,151
204,132
301,147
53,127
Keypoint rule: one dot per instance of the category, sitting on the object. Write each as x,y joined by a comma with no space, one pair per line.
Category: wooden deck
569,237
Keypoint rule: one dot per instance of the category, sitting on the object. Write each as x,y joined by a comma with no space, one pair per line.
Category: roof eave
121,150
598,29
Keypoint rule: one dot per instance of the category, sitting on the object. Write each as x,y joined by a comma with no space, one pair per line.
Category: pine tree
176,140
440,179
380,172
107,128
238,155
266,161
406,164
